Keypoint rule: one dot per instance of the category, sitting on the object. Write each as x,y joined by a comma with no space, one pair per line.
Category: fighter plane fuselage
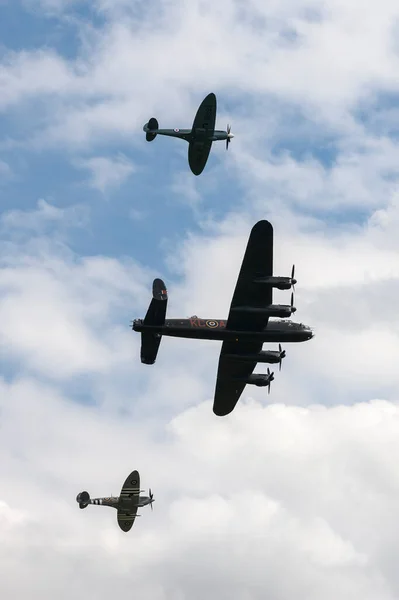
215,329
195,135
122,501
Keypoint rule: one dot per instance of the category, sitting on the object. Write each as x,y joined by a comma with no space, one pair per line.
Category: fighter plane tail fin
83,499
149,129
155,317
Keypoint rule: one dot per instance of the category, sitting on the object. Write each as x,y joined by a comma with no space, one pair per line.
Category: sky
295,494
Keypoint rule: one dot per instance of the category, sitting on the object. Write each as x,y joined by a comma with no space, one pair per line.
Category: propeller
282,355
271,377
293,280
229,136
293,309
151,495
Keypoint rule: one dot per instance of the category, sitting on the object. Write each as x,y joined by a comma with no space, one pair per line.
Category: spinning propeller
293,309
151,495
282,355
293,281
229,137
271,377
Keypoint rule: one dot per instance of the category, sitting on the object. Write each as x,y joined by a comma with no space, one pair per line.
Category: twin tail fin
155,317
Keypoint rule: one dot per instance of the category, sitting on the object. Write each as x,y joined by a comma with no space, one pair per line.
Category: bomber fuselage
215,329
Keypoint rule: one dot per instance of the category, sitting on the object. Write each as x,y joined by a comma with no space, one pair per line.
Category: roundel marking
133,481
212,324
176,129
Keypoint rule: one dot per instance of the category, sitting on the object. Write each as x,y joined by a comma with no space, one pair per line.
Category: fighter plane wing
126,519
206,114
198,153
205,119
129,497
232,372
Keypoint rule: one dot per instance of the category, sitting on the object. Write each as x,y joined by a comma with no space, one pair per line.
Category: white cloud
106,172
294,494
121,76
10,518
45,215
44,318
27,74
239,501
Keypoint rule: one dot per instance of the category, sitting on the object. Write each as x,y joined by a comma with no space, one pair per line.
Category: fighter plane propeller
200,137
229,136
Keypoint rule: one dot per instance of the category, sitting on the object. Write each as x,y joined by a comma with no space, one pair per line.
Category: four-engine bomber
248,325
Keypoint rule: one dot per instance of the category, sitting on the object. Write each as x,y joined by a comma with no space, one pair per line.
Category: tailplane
155,317
83,499
149,129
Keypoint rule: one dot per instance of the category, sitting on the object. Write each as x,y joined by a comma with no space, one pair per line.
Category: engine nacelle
281,283
264,356
83,499
260,379
272,310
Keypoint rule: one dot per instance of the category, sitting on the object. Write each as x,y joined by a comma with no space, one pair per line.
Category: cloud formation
294,494
107,173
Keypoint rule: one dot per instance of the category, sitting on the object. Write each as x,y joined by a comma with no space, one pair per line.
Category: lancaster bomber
126,504
199,137
247,327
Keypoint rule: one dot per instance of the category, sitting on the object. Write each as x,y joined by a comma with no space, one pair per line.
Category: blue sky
299,483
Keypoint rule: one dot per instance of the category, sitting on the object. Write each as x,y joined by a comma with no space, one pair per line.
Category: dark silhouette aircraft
247,327
126,504
199,137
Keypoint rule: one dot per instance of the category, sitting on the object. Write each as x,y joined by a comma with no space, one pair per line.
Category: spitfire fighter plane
199,137
247,327
126,504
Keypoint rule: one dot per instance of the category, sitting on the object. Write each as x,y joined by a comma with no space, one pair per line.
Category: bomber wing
128,501
232,373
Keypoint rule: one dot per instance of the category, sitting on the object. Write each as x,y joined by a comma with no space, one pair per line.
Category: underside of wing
235,362
198,153
131,487
257,263
206,113
128,501
232,374
126,519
